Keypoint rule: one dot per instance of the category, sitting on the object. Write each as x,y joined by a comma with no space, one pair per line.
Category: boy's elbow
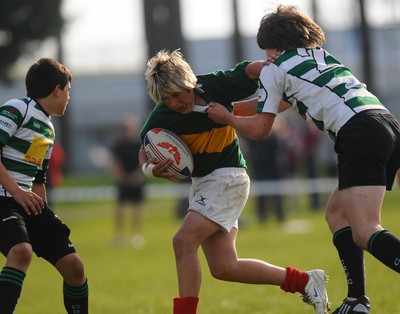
260,135
262,126
263,137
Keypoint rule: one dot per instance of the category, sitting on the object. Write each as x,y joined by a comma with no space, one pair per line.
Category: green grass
123,280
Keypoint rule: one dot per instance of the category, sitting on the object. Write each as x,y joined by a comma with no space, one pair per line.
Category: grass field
127,281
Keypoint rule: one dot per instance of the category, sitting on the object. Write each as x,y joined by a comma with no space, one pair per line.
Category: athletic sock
385,247
11,281
76,299
186,305
352,259
295,281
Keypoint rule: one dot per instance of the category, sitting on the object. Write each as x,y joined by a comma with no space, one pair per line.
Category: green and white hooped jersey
26,140
318,86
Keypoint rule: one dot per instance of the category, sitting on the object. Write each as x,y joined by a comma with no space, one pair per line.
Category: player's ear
57,90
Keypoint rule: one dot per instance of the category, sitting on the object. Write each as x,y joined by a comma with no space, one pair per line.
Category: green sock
11,281
76,299
352,260
385,247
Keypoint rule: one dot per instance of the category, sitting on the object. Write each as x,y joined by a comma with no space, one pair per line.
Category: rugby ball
163,144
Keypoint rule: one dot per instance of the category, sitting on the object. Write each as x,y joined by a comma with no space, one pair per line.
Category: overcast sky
106,35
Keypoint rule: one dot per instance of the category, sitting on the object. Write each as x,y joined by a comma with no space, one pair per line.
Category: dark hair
44,75
289,28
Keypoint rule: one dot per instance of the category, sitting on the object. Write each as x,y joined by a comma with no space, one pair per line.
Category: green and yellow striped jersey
213,145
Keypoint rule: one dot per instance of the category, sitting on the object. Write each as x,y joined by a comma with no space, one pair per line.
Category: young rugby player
220,184
27,224
308,79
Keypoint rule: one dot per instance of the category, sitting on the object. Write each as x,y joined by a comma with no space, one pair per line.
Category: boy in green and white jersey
312,82
27,224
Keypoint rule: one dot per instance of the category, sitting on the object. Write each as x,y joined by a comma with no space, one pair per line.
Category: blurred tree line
24,24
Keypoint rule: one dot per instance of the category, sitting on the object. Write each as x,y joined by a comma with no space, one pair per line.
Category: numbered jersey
26,139
318,86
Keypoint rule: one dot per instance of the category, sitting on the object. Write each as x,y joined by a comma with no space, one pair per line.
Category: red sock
186,305
295,281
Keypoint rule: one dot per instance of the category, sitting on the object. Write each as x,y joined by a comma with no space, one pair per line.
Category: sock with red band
295,281
186,305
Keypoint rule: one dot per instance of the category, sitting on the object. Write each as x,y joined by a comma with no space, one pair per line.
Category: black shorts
130,193
368,148
47,234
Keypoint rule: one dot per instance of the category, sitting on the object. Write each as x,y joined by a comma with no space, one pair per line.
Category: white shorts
220,196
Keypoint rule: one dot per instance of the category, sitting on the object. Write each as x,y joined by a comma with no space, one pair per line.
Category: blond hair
168,74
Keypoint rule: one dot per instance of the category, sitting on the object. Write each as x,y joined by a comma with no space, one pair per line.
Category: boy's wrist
148,170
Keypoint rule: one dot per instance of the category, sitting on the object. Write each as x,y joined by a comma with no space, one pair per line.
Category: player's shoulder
16,102
14,107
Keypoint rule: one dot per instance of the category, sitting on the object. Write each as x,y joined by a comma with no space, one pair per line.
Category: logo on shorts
9,218
201,201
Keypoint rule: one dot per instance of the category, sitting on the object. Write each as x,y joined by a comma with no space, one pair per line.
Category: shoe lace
306,298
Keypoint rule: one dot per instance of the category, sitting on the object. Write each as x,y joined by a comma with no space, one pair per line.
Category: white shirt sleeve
270,92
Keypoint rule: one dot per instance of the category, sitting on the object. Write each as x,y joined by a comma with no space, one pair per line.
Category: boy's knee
222,272
72,269
184,245
20,255
179,244
76,271
78,268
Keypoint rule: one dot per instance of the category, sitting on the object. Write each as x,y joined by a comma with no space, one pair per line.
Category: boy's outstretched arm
245,107
254,68
256,127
